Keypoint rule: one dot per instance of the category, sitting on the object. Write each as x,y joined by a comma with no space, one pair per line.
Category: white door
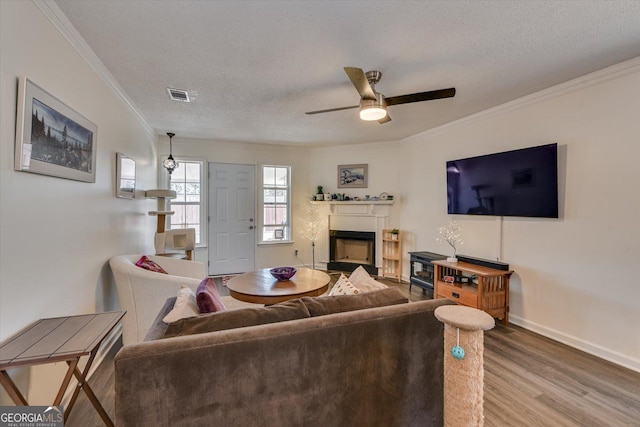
232,226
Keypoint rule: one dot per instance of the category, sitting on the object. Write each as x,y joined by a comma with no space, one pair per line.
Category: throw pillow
319,306
150,265
185,306
289,310
208,297
344,287
363,281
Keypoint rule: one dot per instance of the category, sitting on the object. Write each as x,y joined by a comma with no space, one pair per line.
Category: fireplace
349,249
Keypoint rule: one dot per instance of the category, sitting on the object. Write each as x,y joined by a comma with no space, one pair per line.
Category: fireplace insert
349,249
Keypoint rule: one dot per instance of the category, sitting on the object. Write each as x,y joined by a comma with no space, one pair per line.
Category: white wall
576,278
385,174
57,234
267,255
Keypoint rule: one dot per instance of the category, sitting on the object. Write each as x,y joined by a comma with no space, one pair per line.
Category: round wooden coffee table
260,287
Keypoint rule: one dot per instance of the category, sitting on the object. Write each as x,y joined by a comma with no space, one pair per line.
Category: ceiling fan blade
359,80
332,109
385,119
421,96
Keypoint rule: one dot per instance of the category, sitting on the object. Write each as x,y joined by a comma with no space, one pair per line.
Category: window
187,182
276,204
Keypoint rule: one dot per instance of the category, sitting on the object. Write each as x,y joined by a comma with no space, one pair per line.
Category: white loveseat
142,293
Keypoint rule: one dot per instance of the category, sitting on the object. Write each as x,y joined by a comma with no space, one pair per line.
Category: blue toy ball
457,352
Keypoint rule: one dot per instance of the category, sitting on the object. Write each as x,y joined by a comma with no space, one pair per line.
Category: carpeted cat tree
463,363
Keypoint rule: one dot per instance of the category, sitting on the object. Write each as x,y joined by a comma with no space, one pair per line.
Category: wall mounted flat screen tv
512,183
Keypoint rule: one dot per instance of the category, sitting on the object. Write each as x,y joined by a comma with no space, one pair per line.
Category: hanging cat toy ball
456,351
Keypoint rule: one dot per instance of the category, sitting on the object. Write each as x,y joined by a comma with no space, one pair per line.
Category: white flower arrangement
451,235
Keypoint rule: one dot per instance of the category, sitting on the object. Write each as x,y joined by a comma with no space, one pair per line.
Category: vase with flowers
451,235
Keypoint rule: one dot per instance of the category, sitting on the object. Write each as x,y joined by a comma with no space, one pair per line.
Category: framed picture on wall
125,177
52,138
352,176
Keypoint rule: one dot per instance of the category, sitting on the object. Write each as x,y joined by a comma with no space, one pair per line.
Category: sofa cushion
344,287
208,297
320,306
158,327
289,310
185,306
150,265
361,279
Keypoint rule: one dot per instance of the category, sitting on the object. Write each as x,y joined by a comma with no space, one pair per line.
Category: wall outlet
295,252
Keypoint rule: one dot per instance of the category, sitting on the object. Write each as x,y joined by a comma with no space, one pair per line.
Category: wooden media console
476,286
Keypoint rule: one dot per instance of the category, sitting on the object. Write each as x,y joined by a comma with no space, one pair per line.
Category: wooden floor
530,380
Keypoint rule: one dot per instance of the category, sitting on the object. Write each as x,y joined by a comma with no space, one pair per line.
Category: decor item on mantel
170,163
320,193
451,235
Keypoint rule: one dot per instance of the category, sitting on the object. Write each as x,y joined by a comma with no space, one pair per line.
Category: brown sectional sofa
336,364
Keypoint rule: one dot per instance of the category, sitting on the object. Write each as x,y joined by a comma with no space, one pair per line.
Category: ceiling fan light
373,109
372,113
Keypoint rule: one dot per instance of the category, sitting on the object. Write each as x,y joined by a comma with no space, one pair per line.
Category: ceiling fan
373,105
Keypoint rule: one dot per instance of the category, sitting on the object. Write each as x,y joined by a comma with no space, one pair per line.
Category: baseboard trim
571,341
105,348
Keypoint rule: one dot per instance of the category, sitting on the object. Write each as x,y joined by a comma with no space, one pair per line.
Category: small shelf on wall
392,254
352,202
356,207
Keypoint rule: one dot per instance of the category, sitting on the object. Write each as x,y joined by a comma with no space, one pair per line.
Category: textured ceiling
255,67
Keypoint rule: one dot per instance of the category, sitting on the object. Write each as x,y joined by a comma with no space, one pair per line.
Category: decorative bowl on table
283,273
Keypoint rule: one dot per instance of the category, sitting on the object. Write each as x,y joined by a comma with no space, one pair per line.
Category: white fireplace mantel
358,207
357,215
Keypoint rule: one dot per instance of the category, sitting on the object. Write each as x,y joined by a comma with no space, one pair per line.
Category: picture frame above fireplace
353,176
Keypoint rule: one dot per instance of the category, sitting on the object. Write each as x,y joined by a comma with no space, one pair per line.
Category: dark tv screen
512,183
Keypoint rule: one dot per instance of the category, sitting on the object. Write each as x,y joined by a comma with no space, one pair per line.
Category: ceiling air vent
178,94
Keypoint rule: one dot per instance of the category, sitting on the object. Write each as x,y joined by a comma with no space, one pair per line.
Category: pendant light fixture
170,163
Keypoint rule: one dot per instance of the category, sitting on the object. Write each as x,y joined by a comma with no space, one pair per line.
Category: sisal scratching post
463,363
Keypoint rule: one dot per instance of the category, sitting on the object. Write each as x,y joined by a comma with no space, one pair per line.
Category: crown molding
59,20
597,77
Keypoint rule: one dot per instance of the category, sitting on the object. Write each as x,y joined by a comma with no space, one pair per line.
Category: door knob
251,227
